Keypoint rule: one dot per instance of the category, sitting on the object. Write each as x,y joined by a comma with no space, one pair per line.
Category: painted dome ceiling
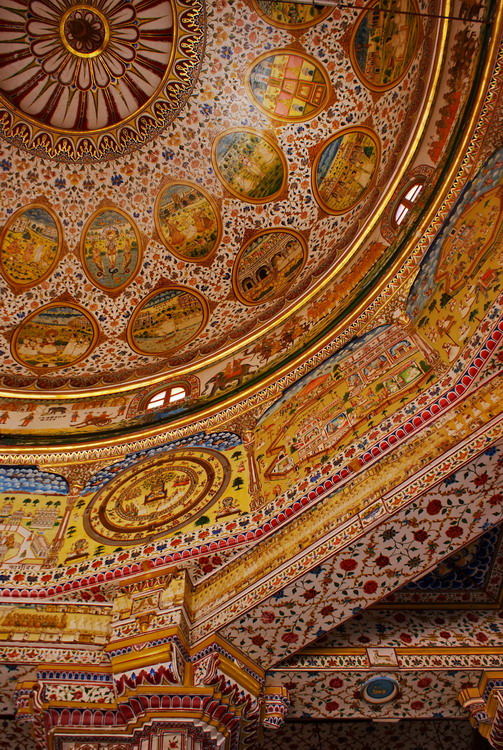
203,196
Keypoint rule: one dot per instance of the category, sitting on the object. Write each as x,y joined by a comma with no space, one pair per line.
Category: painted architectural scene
57,336
267,265
166,320
287,15
288,86
338,401
461,274
384,42
344,169
111,249
188,221
250,165
30,246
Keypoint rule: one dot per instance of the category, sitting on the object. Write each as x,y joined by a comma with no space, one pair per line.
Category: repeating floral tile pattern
423,694
458,509
415,629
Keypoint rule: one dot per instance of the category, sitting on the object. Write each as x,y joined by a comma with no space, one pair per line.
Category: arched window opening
406,202
167,396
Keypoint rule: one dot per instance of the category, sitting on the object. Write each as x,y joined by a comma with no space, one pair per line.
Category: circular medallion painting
166,320
383,43
157,496
30,246
267,265
290,15
379,690
344,169
58,335
101,70
287,85
110,249
250,165
188,221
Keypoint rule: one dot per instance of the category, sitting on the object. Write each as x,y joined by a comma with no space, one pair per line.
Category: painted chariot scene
288,86
344,170
250,165
384,42
29,246
167,320
111,250
290,14
57,336
267,266
188,222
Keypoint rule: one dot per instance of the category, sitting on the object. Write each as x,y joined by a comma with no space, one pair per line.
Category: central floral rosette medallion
84,31
98,78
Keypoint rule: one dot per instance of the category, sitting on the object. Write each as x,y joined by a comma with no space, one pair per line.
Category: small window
406,202
168,396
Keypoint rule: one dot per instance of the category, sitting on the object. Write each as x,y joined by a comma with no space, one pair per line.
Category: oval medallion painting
344,169
383,43
288,15
267,265
166,320
288,86
57,335
157,496
110,249
188,221
249,163
30,246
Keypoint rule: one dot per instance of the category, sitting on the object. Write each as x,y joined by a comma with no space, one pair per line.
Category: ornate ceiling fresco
250,348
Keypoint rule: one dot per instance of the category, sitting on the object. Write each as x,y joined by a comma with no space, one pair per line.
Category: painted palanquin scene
251,329
188,221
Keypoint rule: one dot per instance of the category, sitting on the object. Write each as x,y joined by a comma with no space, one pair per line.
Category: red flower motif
290,637
454,531
405,637
370,587
349,564
382,560
444,634
399,617
495,499
481,637
332,706
267,616
78,694
472,617
417,705
335,682
434,507
424,682
258,640
309,594
327,610
364,639
421,535
481,479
